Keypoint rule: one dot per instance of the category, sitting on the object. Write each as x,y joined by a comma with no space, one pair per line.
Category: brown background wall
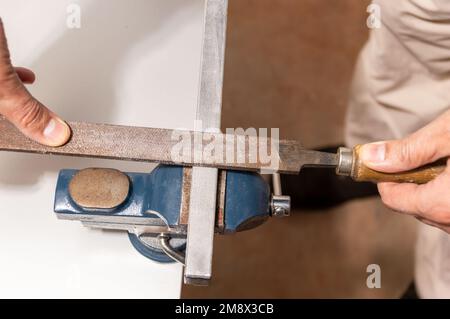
289,65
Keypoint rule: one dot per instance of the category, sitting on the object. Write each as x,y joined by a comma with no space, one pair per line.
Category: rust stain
185,196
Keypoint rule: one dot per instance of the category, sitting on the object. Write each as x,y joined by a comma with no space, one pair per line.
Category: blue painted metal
247,201
158,191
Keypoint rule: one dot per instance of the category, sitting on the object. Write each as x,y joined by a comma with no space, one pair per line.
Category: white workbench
132,62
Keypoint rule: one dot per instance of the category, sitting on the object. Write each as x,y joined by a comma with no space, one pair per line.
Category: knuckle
405,155
30,115
417,150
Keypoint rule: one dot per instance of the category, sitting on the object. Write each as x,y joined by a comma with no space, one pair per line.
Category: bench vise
154,207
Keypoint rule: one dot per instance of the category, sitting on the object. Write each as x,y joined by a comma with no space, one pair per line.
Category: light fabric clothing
401,83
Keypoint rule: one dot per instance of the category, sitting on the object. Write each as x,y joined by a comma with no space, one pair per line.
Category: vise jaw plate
97,188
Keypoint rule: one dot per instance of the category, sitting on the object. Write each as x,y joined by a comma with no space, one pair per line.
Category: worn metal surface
203,195
101,188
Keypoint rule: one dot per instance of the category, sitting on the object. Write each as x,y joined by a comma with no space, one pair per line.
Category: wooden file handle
421,175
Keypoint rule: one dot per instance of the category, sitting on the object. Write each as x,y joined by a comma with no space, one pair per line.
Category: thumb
402,155
29,115
425,146
390,156
36,121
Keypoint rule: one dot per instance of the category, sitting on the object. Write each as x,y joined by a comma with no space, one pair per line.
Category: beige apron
402,82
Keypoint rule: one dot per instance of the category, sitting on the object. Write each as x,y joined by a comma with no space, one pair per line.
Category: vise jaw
154,207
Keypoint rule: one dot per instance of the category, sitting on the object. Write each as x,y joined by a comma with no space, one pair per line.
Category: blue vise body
157,197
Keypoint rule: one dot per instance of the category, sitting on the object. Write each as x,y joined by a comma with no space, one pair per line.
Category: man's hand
430,203
29,115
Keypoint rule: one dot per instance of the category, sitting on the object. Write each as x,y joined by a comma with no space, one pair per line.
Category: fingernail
57,132
374,153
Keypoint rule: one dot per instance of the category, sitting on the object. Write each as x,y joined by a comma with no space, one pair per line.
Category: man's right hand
430,203
29,115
